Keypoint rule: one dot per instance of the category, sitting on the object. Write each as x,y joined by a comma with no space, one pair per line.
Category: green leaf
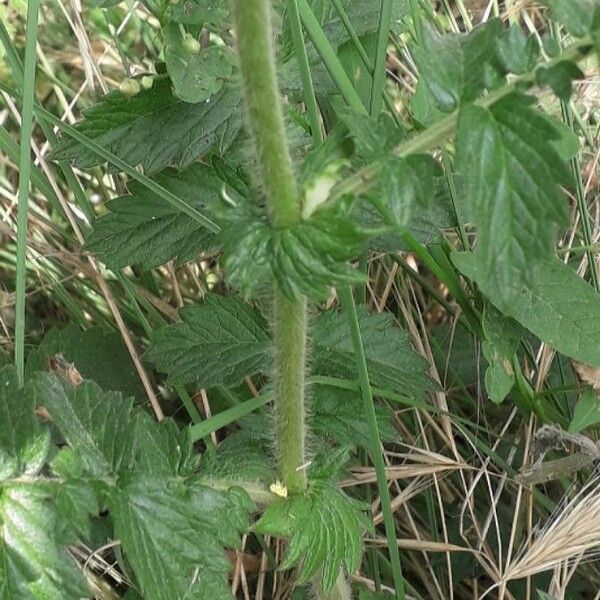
576,15
517,52
24,445
559,78
143,229
457,68
337,415
75,501
154,129
392,362
557,306
513,179
198,12
587,411
406,183
173,535
33,566
97,354
97,425
308,258
196,76
502,338
325,529
372,137
218,342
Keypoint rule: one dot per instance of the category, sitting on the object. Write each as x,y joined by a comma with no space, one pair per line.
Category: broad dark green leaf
338,415
363,15
559,78
155,129
173,535
196,76
587,411
556,305
219,341
517,52
142,229
325,529
392,362
405,184
308,258
513,178
576,15
372,138
97,354
32,564
198,12
457,68
502,337
24,445
97,425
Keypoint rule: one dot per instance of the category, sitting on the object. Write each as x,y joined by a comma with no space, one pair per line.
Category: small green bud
147,81
130,87
191,44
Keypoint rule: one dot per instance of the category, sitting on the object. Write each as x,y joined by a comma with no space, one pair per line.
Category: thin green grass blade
369,410
24,179
329,57
379,71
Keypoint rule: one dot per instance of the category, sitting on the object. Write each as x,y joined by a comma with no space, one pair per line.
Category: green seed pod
130,87
147,81
191,44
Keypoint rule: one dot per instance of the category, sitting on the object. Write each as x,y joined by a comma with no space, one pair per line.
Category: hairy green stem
290,330
263,106
265,119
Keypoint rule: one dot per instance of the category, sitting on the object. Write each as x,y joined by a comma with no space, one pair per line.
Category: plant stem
263,106
24,177
265,117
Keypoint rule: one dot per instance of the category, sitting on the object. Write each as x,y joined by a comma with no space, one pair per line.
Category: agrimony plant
292,204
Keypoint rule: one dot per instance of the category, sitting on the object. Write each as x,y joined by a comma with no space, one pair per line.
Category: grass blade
24,178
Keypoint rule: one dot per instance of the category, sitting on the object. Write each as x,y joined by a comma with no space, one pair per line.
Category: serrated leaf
587,411
198,12
392,362
364,17
559,78
513,179
337,414
576,15
325,529
372,137
218,342
308,258
196,76
557,306
24,444
502,337
74,502
154,129
173,536
406,183
143,229
517,52
32,564
457,68
97,354
97,425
